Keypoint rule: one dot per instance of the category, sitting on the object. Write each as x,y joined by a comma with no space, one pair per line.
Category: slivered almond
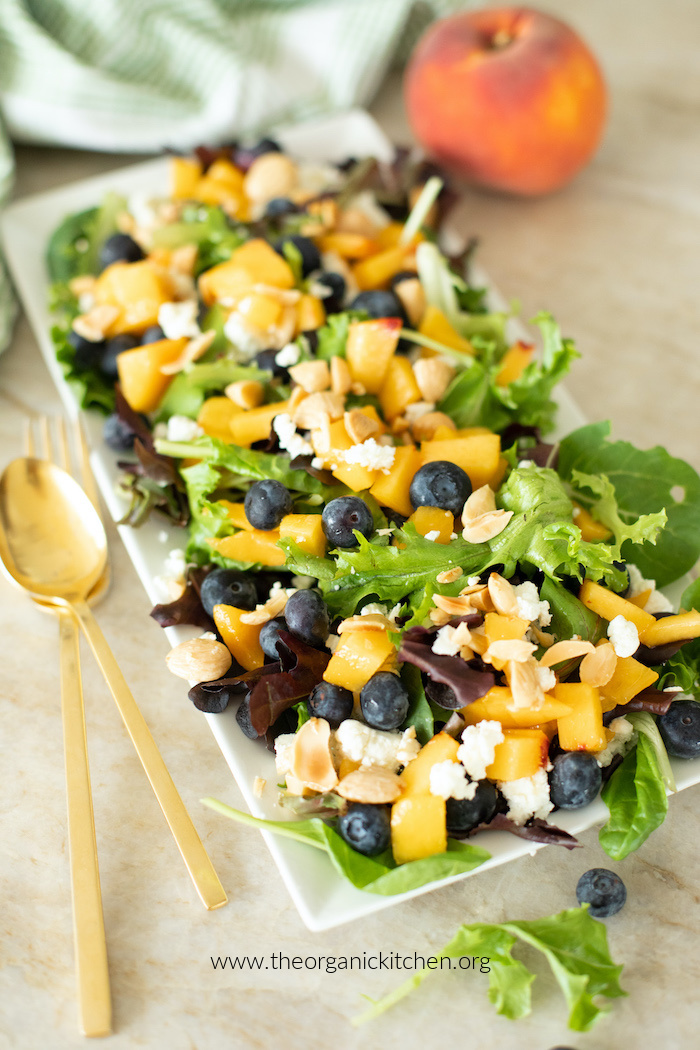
368,622
247,393
259,786
481,601
317,407
94,324
502,594
459,606
568,649
321,436
424,428
360,426
524,684
341,379
370,785
512,650
192,352
184,258
412,296
433,376
481,501
486,527
598,667
313,376
199,660
311,756
450,575
358,389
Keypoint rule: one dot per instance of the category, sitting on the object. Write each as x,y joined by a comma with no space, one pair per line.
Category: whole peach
509,98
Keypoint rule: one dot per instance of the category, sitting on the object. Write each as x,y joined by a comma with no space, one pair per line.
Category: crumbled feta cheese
179,320
449,780
546,678
332,642
208,636
317,463
182,428
529,605
527,797
86,301
413,413
289,439
478,747
624,636
160,431
278,589
289,355
445,643
372,455
248,341
525,463
375,608
376,747
284,753
657,602
171,583
473,580
142,207
433,535
625,736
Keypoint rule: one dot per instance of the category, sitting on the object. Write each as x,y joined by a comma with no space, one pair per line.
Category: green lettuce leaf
189,389
74,246
574,945
91,388
209,228
420,714
635,795
645,483
333,335
380,875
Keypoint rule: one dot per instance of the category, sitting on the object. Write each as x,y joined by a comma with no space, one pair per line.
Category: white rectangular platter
324,899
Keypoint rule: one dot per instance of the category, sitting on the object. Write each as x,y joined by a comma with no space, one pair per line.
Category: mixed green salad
441,623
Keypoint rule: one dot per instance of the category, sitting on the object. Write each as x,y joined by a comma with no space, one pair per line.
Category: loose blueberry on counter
332,702
227,587
310,255
117,433
575,780
266,503
380,304
440,484
87,353
280,206
265,360
342,517
307,617
680,729
244,156
336,283
384,701
603,891
270,636
243,719
120,247
463,814
366,828
153,334
111,350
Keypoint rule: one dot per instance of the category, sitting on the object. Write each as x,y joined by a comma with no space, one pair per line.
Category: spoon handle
94,1000
184,832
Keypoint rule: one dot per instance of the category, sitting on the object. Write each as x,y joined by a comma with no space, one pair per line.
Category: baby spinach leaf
635,795
420,715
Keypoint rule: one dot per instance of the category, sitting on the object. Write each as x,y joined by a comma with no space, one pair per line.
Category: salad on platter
441,623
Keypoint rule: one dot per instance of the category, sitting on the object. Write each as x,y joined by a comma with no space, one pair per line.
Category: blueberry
87,354
120,247
117,434
227,587
266,503
440,484
403,275
280,206
603,891
463,814
245,155
336,283
680,729
270,636
211,697
265,360
380,304
153,334
384,701
112,348
575,780
342,517
366,828
243,719
310,255
306,614
331,702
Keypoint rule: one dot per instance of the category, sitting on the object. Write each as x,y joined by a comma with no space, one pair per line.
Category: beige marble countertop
615,257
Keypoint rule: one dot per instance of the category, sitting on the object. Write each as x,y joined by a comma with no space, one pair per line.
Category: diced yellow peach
522,753
358,656
222,170
348,245
307,532
389,237
515,361
497,705
607,604
500,628
371,412
583,729
415,779
377,270
311,314
478,455
142,382
369,349
432,519
215,417
436,326
591,530
391,490
184,176
137,290
255,423
418,827
678,628
399,389
641,599
242,639
255,262
629,678
254,546
355,476
259,310
236,514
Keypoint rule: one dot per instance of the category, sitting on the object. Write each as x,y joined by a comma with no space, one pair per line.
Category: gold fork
90,946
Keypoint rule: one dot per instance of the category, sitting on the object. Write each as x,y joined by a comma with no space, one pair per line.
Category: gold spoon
53,544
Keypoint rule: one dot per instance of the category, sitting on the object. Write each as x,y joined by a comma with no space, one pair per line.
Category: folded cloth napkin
140,75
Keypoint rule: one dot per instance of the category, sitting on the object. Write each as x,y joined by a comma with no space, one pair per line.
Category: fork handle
94,1001
184,832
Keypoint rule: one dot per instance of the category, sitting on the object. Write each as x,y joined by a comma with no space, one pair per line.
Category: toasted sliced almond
94,324
312,376
412,296
598,667
400,426
360,426
296,397
262,613
524,684
503,595
199,660
450,575
247,393
439,618
424,428
315,408
270,175
543,637
459,606
368,622
479,642
341,379
183,259
355,220
568,649
488,526
511,650
481,601
433,376
312,763
482,501
192,352
370,785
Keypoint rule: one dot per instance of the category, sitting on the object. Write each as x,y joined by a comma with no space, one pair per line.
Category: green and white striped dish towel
139,75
